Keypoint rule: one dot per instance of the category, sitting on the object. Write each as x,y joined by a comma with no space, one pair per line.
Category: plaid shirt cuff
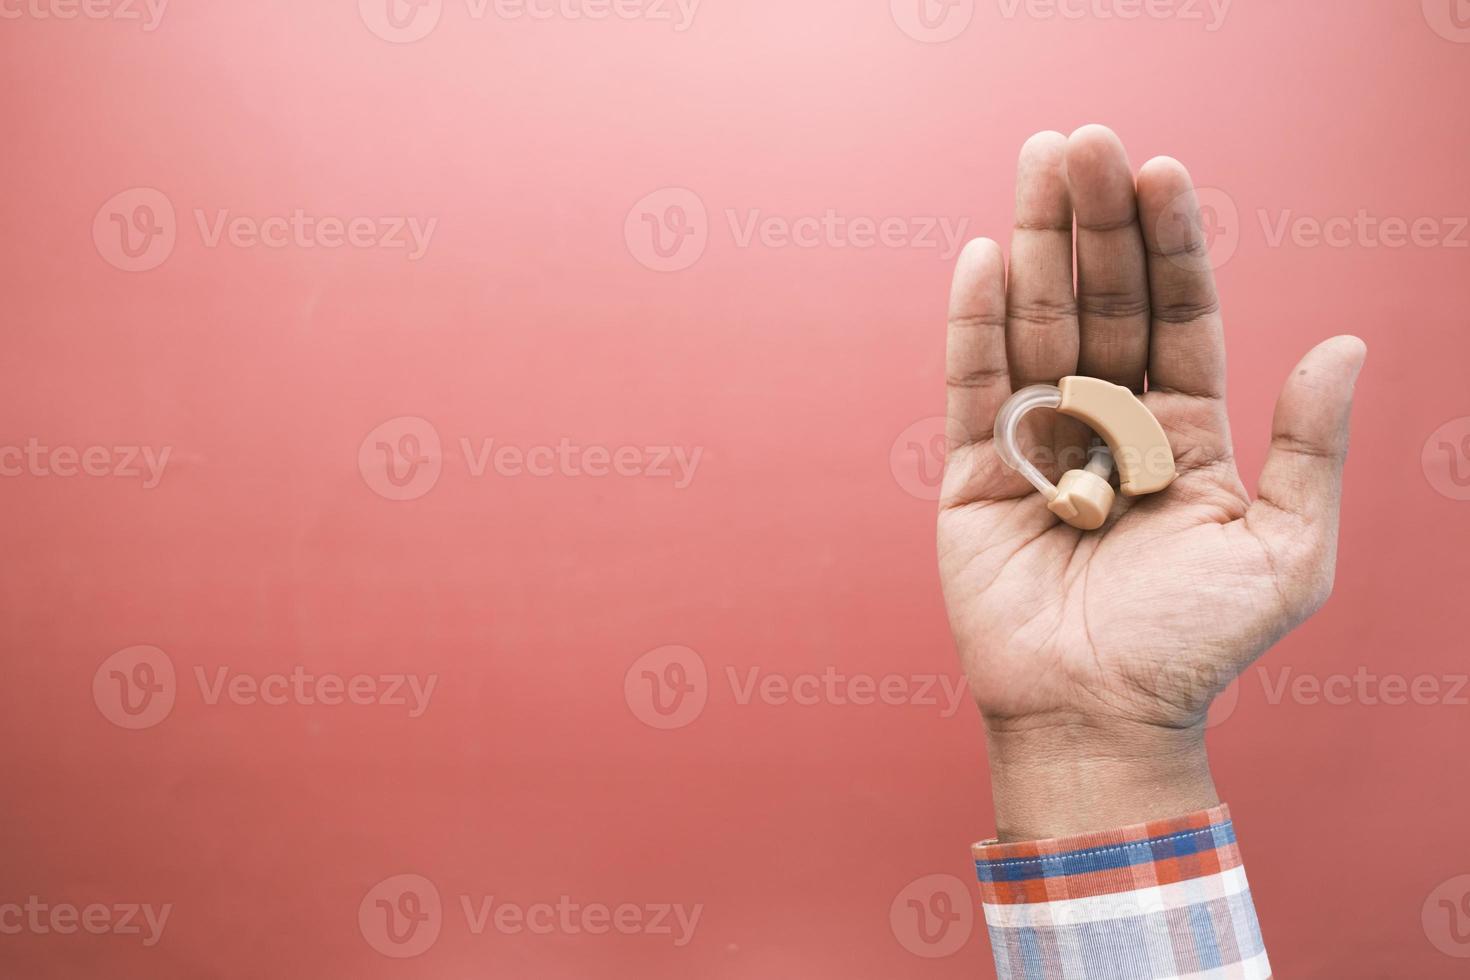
1166,900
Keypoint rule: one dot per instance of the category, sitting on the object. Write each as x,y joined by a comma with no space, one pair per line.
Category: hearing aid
1128,437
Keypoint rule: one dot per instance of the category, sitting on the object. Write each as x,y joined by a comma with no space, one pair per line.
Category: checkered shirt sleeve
1166,900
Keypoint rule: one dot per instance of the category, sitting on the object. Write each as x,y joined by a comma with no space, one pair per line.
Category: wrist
1059,779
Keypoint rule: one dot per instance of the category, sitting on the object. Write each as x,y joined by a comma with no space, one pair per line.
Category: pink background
797,547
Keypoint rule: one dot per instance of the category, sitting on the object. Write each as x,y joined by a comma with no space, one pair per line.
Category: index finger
976,375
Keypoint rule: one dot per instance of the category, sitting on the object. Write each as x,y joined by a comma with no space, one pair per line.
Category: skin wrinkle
1183,314
1042,226
980,378
978,321
1040,313
1113,306
1195,249
1201,396
976,555
995,471
1104,227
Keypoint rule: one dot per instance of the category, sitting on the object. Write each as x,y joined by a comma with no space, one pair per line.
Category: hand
1094,655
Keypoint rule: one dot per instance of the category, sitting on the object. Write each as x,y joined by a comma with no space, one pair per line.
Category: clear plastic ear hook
1007,429
1085,496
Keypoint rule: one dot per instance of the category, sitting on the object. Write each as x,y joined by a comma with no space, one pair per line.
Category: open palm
1144,621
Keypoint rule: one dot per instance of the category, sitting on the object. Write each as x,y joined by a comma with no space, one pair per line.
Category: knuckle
1043,312
1178,311
1295,444
990,320
1193,247
979,378
1113,305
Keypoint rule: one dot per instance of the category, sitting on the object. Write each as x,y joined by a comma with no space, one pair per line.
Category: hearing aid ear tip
1083,500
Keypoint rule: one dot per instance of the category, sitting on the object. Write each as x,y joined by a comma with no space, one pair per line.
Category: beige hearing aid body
1129,435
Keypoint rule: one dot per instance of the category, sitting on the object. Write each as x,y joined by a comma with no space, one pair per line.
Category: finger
1187,337
975,361
1112,274
1301,482
1041,325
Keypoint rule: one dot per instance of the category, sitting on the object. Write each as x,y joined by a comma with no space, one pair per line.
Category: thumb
1300,488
